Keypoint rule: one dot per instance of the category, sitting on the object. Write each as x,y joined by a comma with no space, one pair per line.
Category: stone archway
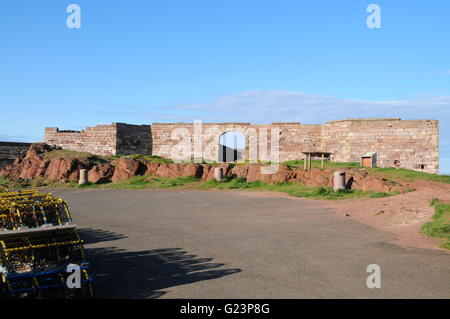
231,146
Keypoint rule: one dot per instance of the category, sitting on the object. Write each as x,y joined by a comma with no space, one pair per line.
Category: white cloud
260,107
276,105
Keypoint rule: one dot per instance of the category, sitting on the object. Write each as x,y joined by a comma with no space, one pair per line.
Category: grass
440,226
4,182
407,175
150,182
27,183
389,174
293,189
68,154
149,158
317,163
97,159
147,182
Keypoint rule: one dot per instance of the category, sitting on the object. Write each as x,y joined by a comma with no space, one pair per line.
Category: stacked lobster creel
39,248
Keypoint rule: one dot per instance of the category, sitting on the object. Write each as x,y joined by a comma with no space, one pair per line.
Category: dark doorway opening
231,147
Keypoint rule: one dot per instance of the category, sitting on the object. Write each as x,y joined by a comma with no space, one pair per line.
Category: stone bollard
83,177
218,174
339,181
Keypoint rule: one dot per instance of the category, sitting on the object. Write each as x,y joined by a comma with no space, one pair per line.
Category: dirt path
402,215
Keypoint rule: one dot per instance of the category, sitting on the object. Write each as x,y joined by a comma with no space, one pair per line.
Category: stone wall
100,139
11,150
133,139
294,138
415,144
112,139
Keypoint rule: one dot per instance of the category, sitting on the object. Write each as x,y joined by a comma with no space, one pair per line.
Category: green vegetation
440,226
407,175
316,164
26,183
4,182
97,159
148,158
391,175
146,182
150,182
380,195
293,189
68,154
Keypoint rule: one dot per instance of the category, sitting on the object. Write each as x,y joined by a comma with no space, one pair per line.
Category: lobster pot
35,264
38,243
31,210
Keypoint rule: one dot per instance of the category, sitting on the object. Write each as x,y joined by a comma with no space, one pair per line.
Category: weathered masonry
412,144
11,150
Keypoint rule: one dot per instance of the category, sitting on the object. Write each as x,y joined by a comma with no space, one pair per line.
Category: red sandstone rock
127,168
32,165
64,168
175,170
208,172
163,170
101,174
193,170
151,168
240,171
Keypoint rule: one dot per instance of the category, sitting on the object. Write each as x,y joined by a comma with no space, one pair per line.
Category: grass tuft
147,182
407,175
440,226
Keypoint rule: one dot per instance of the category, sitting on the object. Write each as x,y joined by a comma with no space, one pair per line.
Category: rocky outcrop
175,170
32,165
35,164
127,168
64,168
101,174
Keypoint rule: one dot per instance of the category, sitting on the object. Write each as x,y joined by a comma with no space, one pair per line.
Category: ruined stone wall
294,138
100,139
415,143
133,139
11,150
111,139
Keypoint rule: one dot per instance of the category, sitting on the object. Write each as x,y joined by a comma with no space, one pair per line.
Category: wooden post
304,162
321,163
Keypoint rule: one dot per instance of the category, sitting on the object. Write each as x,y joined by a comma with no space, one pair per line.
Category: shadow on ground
92,236
120,273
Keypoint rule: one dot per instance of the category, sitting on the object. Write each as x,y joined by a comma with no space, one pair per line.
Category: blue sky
254,61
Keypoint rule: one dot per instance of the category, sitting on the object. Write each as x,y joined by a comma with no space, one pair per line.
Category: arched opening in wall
231,147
